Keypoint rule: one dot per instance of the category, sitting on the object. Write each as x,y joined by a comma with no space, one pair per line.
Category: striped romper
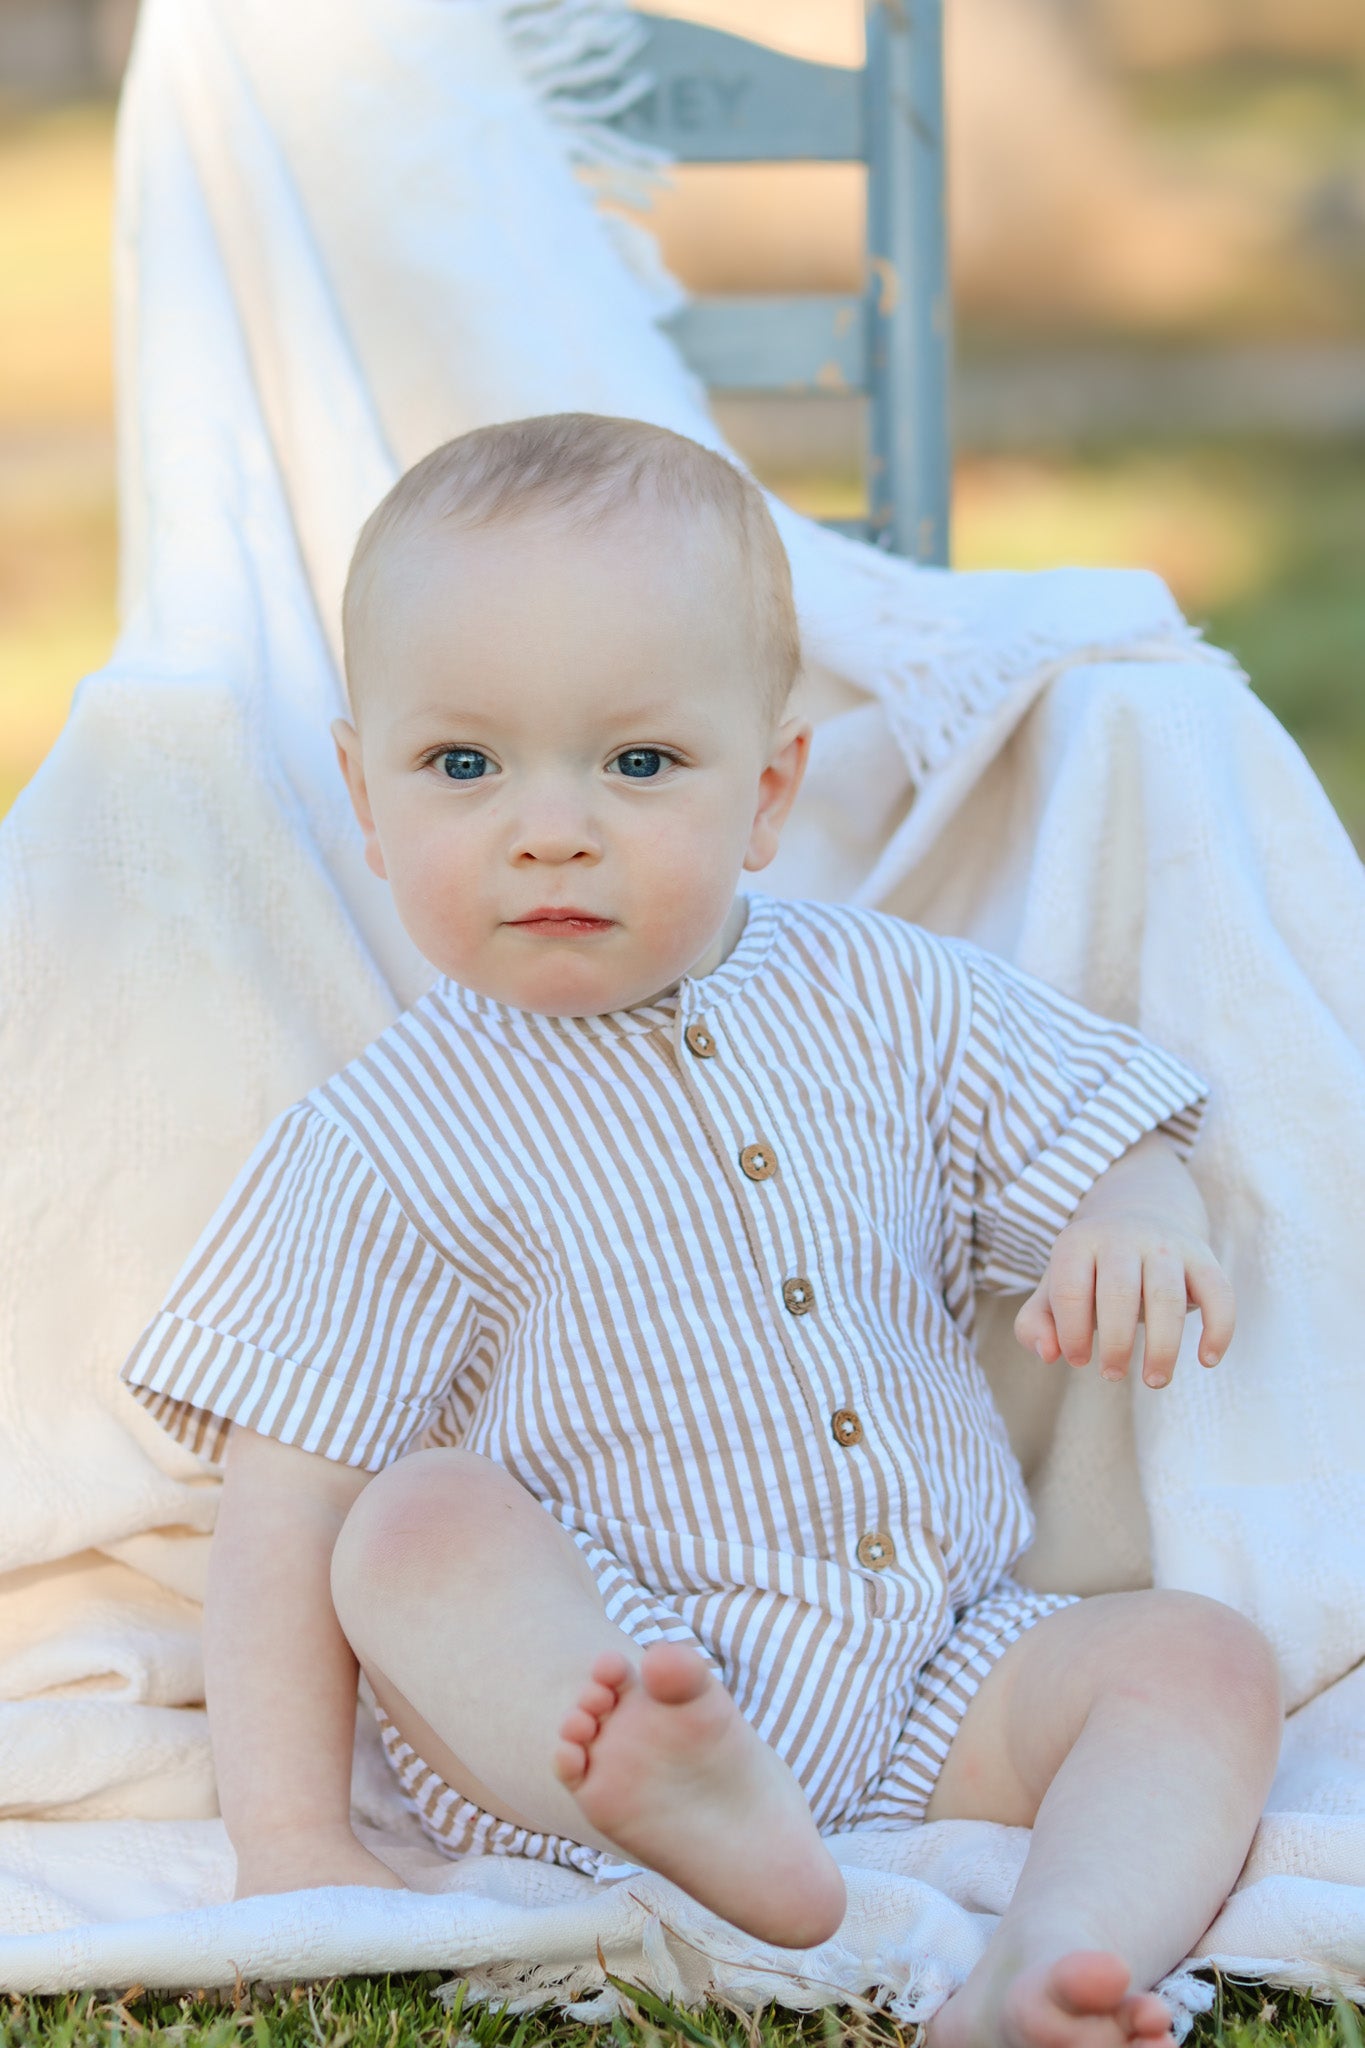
700,1274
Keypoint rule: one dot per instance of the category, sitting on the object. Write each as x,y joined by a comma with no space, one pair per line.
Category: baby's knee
435,1512
1202,1645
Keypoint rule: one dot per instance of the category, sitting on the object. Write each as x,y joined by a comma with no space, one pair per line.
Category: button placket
779,1224
873,1549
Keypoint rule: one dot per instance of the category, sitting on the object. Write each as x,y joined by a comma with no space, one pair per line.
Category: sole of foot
664,1765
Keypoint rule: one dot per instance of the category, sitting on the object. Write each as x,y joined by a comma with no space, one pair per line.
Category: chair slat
814,343
719,98
910,310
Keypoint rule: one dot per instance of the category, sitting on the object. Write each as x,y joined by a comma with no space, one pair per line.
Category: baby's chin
570,983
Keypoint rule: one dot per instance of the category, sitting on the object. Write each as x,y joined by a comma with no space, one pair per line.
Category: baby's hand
1110,1270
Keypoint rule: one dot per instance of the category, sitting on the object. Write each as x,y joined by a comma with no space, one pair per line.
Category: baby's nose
556,832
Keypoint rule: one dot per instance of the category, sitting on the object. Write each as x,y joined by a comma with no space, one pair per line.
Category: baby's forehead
574,521
658,587
623,533
627,572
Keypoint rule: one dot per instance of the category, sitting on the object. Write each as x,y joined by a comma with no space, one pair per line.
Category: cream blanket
346,230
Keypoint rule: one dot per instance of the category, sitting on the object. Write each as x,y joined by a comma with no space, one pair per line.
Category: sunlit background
1158,224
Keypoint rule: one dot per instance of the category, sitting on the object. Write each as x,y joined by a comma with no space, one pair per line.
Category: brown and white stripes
701,1275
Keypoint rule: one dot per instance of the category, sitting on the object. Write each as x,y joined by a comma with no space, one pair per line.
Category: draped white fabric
346,230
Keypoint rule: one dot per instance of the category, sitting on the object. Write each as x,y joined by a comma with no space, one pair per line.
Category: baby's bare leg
1137,1733
481,1629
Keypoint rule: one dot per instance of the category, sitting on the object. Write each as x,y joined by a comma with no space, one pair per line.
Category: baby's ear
347,742
777,789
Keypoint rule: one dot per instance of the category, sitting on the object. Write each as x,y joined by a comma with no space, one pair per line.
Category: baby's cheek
437,894
695,860
689,907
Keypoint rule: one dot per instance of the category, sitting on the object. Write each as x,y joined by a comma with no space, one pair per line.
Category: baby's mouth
561,922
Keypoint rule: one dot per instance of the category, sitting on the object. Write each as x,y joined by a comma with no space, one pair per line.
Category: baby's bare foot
666,1767
1080,2001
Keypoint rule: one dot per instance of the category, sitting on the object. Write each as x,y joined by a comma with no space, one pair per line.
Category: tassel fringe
579,58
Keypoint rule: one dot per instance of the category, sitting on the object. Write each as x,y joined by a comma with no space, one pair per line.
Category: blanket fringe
519,1987
579,1992
578,58
934,706
907,636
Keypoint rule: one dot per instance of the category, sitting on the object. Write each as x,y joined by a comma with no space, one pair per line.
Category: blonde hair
591,465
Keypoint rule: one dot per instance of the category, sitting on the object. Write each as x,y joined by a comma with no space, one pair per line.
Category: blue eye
640,762
464,764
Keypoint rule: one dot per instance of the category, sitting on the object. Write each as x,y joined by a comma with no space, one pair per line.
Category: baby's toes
579,1727
570,1762
611,1670
1145,2018
597,1700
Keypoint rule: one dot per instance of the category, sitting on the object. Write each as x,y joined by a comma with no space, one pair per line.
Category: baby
590,1360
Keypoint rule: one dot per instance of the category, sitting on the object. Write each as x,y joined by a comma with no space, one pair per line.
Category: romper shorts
896,1798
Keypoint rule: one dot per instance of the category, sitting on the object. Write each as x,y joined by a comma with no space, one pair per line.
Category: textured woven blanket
346,230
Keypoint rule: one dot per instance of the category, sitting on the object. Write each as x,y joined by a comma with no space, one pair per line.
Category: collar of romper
687,1000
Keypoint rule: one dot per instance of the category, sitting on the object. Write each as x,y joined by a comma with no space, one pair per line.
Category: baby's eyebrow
435,714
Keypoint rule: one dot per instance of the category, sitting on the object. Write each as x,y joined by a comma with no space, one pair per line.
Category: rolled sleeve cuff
196,1382
1151,1092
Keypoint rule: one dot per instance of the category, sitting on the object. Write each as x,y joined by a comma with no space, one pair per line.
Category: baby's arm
279,1674
1136,1246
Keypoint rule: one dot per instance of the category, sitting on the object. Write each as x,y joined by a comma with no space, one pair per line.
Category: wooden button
876,1550
798,1295
846,1427
758,1162
698,1039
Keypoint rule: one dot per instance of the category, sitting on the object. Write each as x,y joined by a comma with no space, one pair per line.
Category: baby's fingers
1164,1305
1034,1327
1210,1291
1071,1293
1118,1304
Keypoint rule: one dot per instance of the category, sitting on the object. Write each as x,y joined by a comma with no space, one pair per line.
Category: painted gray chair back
718,98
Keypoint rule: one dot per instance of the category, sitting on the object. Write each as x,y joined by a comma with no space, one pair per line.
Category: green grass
1317,105
404,2012
1263,546
1300,631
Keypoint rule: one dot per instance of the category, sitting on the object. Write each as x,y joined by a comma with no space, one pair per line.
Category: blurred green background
1158,226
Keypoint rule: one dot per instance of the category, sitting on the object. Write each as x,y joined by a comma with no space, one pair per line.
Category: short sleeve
311,1310
1048,1096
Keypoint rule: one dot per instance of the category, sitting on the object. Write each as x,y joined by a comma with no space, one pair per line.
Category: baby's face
554,721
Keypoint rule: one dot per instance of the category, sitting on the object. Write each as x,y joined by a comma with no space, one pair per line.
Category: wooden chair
718,98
